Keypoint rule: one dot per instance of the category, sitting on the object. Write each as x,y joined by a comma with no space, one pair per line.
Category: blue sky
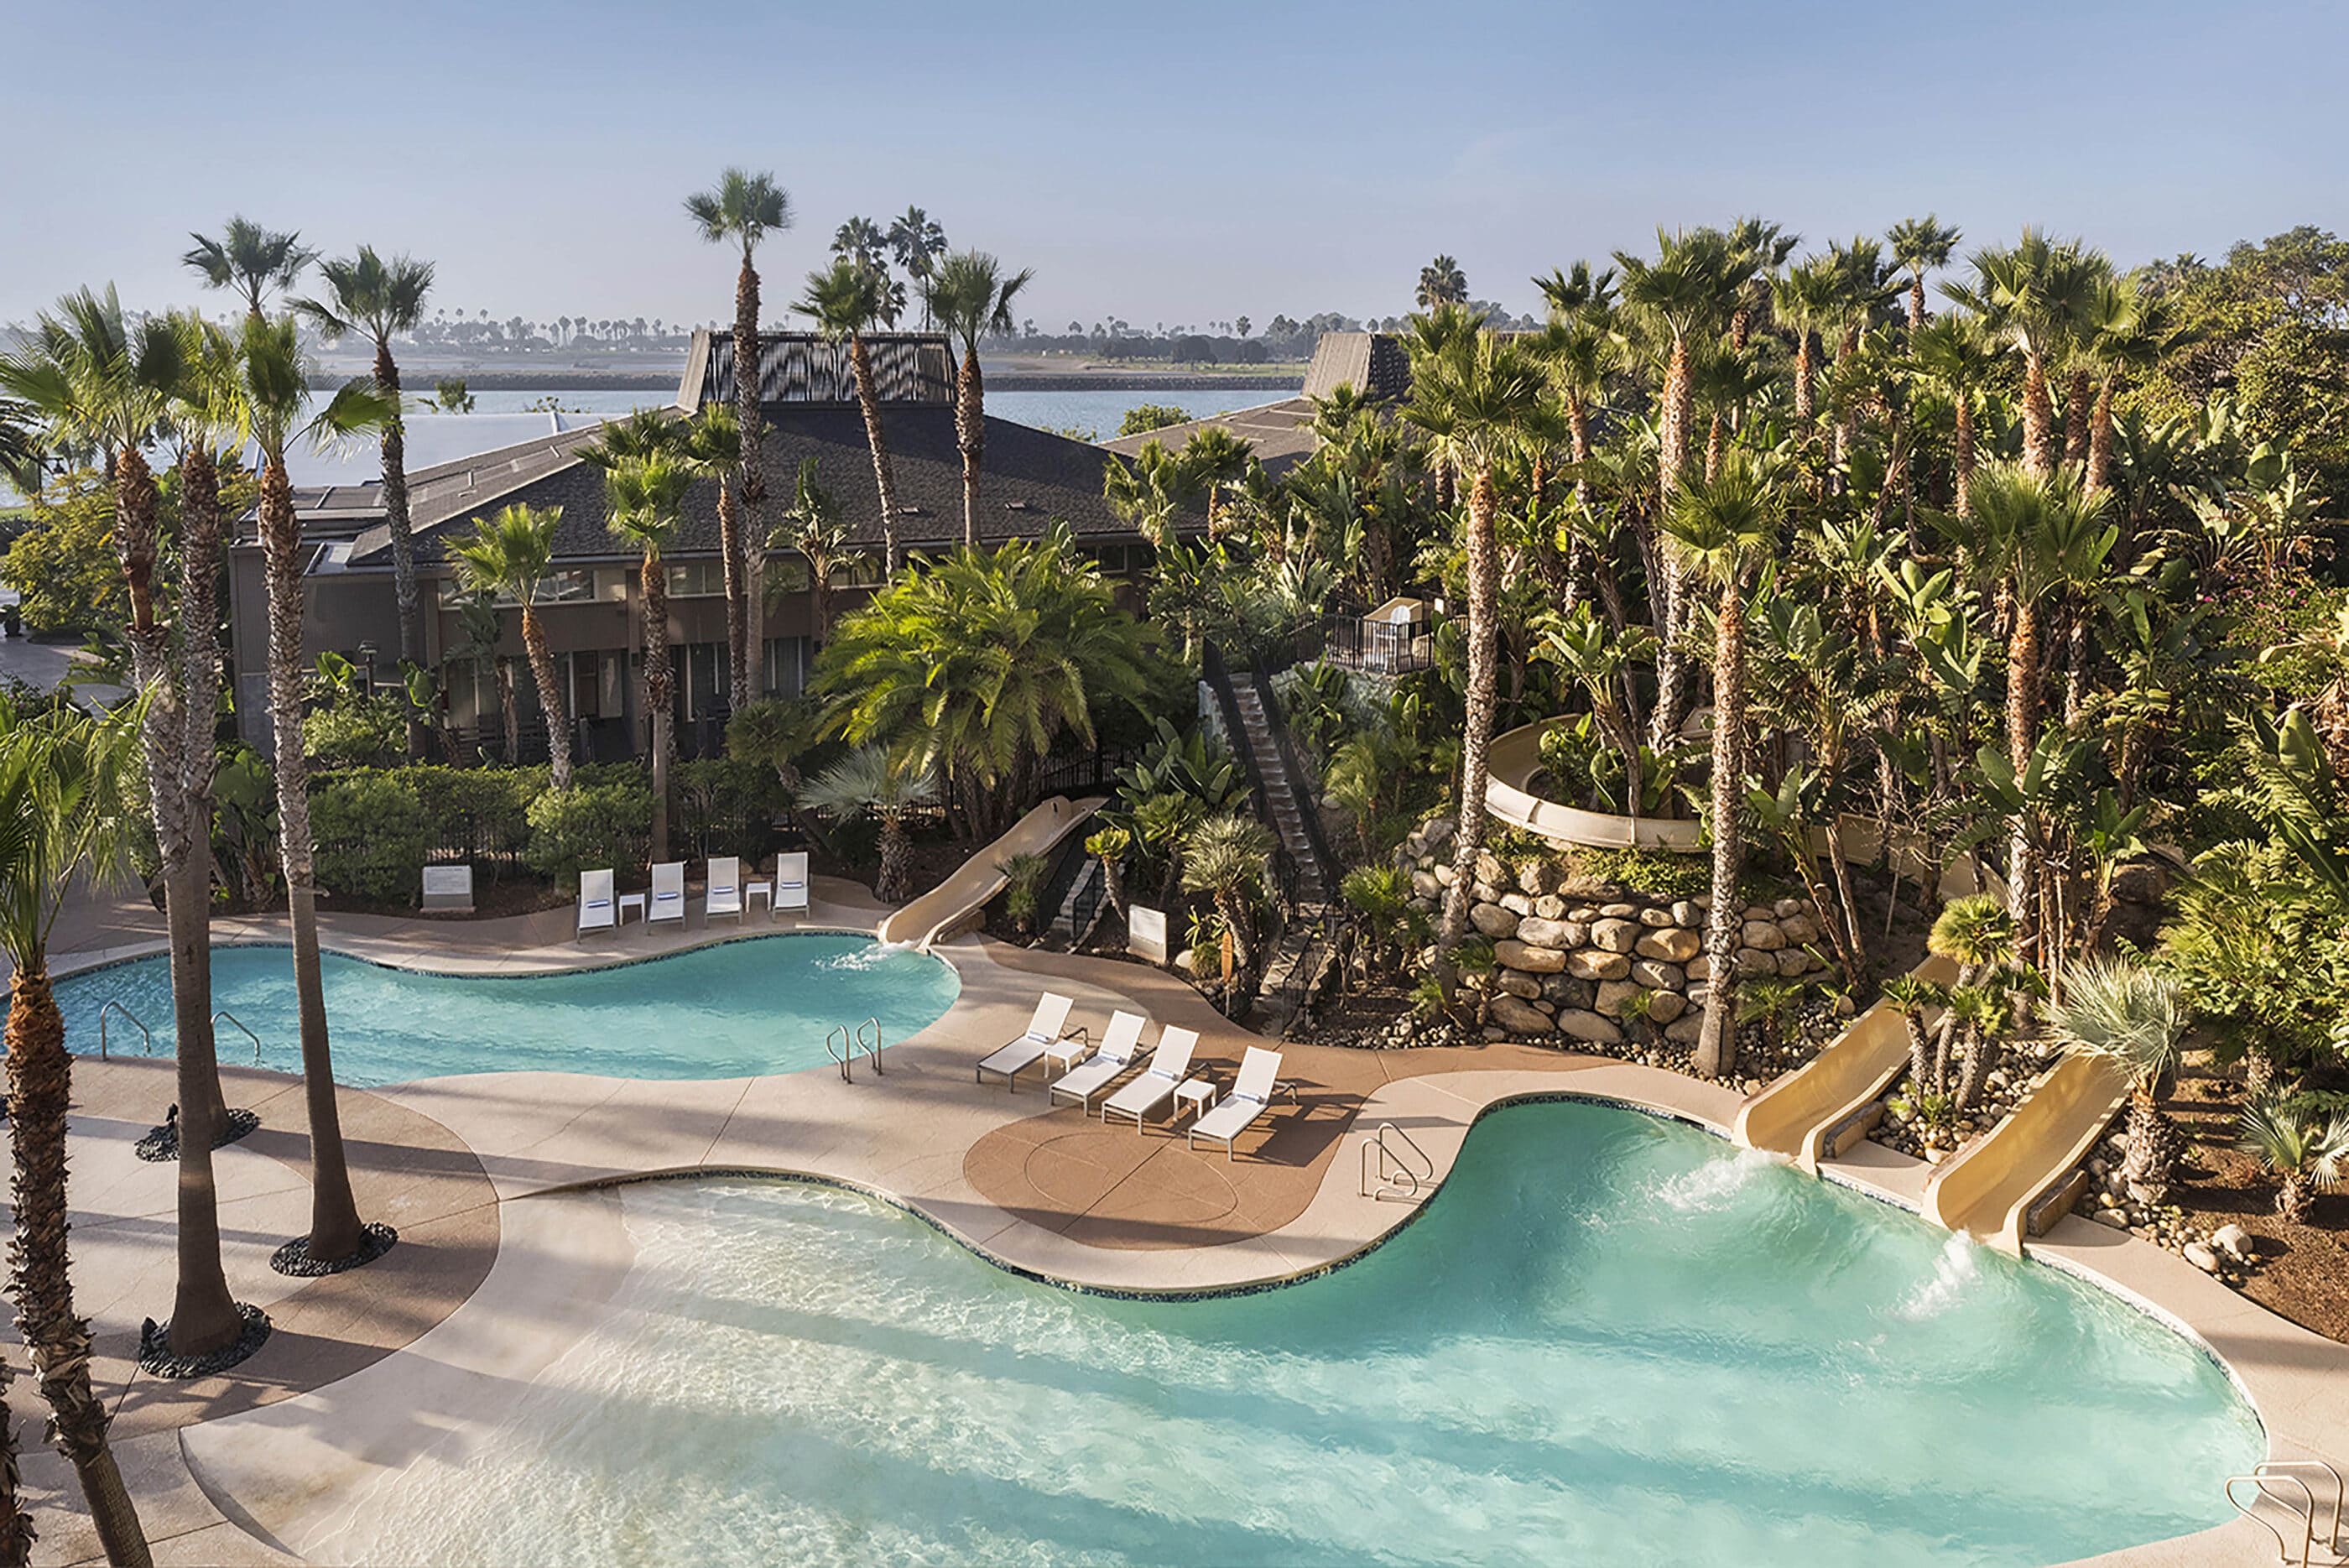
1179,162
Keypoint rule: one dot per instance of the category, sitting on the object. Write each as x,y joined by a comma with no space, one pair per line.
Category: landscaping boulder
1513,953
1755,961
1764,935
1586,963
1615,935
1549,907
1493,920
1667,1006
1798,929
1519,983
1684,1031
1672,944
1588,1026
1550,933
1520,1017
1614,993
1657,976
1569,992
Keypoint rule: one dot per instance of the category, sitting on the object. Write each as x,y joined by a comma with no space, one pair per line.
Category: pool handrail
248,1034
1396,1178
114,1004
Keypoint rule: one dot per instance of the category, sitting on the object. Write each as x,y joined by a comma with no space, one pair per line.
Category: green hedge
724,806
589,827
371,834
495,802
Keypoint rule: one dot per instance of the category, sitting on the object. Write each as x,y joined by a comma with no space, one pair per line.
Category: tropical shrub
64,563
371,834
1023,881
726,806
591,825
1143,418
485,810
357,732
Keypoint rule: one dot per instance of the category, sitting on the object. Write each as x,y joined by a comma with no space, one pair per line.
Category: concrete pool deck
236,1474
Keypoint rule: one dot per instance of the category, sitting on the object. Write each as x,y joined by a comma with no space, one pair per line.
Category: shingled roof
1031,476
1280,434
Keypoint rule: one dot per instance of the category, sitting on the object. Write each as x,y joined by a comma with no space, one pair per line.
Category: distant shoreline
1006,381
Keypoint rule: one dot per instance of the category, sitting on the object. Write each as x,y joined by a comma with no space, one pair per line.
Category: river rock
1518,904
1688,912
1563,934
1753,961
1699,966
1798,929
1490,892
1513,953
1684,1031
1567,992
1446,873
1614,935
1620,912
1493,920
1588,1026
1548,906
1762,934
2201,1256
1657,976
1788,908
1583,913
1655,917
1516,983
1426,885
1793,961
1613,994
1520,1017
1541,877
1588,963
1490,867
1667,1006
1672,944
2235,1241
1437,832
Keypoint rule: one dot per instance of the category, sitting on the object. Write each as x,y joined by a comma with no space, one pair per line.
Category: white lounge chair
1047,1030
725,895
790,883
1121,1048
1249,1098
1158,1083
598,909
669,894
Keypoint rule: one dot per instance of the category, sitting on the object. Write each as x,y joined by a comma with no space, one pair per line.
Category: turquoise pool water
1609,1341
739,1008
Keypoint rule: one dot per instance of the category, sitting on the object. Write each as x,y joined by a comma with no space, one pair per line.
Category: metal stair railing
115,1005
248,1034
844,1045
1395,1177
2279,1474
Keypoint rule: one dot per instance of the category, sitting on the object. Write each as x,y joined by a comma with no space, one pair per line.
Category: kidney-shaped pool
759,1005
1609,1341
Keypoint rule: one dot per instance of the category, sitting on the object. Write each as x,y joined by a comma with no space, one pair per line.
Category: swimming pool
1609,1341
739,1008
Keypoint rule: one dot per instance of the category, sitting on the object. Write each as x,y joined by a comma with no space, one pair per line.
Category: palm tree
276,391
1225,858
509,554
1976,933
1723,530
365,293
1804,300
1110,846
862,242
643,502
2033,293
713,446
1910,996
249,259
890,785
67,794
813,528
1920,245
743,209
1960,354
1441,282
845,301
915,241
1475,400
970,299
2308,1152
2133,1017
2130,331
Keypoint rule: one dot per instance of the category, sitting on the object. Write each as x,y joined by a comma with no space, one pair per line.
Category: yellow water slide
944,908
1988,1189
1797,1114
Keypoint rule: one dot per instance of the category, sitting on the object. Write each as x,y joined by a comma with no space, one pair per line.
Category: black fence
1340,637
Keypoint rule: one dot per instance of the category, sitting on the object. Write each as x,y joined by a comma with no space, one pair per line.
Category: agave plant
2306,1152
2132,1016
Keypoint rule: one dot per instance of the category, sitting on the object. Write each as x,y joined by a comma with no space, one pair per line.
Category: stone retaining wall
1570,954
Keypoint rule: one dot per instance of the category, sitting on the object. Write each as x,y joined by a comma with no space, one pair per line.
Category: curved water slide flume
935,916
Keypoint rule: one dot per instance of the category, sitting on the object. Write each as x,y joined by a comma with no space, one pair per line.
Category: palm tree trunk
2038,419
1921,1051
15,1525
333,1214
2100,438
1484,610
510,709
750,529
1671,665
1806,396
738,626
2022,734
893,883
550,698
658,690
1916,301
2075,416
970,434
1716,1046
395,516
56,1339
884,474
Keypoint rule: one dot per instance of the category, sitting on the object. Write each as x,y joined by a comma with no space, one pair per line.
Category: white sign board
1146,933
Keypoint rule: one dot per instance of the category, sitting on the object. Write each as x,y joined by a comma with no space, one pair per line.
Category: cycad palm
742,209
1224,858
1723,530
67,792
2308,1151
845,301
2133,1017
249,259
365,293
509,554
888,782
971,299
644,501
1475,400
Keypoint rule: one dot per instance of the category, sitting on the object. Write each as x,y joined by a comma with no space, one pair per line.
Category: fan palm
365,293
845,301
1722,531
249,259
1920,245
1910,997
1476,402
2133,1017
2033,293
971,299
510,555
67,797
643,502
1225,859
1960,354
862,242
915,243
1756,248
1976,933
275,388
1805,299
743,209
1441,282
712,443
2307,1152
890,785
2130,330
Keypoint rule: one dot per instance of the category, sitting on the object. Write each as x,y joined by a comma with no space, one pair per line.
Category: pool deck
512,1243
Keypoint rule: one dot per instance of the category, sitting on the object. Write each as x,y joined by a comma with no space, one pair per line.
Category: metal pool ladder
115,1005
1395,1176
240,1029
2288,1477
844,1045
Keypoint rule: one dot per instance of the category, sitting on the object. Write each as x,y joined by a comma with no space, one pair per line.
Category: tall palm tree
2133,1017
67,792
2033,293
1960,354
2130,330
1756,248
1475,400
643,502
971,299
890,784
365,293
276,392
845,301
1920,245
253,261
1441,282
1805,299
1977,933
743,209
1723,530
915,241
713,446
510,555
863,241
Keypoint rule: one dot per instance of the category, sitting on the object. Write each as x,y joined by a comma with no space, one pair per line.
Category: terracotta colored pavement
1108,1186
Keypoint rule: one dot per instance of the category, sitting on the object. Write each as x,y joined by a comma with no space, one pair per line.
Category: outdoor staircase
1280,796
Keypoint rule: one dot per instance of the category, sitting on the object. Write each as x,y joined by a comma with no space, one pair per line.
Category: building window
554,589
697,579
